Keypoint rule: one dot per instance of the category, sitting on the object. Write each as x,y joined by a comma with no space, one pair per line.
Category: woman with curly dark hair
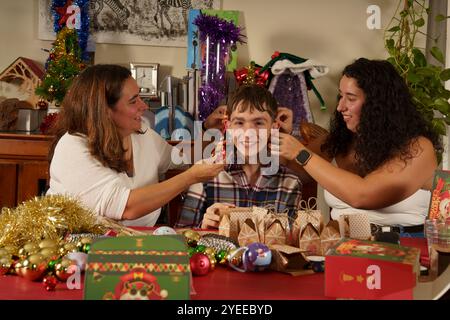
383,151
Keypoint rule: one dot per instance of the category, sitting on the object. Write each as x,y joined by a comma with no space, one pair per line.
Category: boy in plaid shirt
253,113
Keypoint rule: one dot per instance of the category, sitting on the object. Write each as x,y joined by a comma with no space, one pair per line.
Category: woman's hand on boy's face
286,146
285,119
214,120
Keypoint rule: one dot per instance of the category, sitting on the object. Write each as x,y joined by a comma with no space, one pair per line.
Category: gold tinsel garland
48,217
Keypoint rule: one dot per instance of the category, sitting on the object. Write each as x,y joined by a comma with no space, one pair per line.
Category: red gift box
362,269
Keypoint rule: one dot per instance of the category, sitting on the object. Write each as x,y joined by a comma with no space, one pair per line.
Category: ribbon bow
251,75
308,213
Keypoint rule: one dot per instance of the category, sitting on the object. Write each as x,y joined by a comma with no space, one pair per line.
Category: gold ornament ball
31,247
83,242
63,269
49,252
36,258
235,259
210,252
192,237
5,264
48,243
67,248
31,271
3,252
212,263
11,249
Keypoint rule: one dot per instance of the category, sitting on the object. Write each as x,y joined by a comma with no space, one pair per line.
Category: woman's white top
75,172
408,212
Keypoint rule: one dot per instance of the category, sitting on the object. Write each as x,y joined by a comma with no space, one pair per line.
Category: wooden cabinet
23,167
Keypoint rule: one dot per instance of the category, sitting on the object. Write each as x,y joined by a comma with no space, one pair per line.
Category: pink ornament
200,264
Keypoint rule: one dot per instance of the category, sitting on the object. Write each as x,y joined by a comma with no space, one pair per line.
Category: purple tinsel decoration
218,34
83,32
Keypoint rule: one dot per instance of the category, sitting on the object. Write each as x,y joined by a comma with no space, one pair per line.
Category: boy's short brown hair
254,97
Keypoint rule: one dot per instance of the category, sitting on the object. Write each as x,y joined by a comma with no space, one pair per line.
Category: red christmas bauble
50,283
200,264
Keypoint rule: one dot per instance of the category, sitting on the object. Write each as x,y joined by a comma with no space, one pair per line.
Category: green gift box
138,268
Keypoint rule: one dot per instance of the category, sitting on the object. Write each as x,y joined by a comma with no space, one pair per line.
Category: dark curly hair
389,120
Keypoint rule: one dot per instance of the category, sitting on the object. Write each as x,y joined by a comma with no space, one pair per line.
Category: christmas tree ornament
28,249
257,257
212,262
48,243
164,230
210,252
192,237
191,251
50,283
221,256
86,248
200,248
200,264
234,257
32,268
217,242
49,253
52,264
65,269
83,241
5,264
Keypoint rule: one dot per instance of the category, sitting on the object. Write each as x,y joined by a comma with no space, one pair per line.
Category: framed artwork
136,22
146,75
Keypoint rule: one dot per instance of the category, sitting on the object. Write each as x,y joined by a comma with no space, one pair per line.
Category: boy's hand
211,217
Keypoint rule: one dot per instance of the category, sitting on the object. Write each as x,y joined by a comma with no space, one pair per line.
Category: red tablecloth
221,284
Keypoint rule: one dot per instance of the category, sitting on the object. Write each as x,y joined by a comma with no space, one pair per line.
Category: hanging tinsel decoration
216,36
73,14
49,217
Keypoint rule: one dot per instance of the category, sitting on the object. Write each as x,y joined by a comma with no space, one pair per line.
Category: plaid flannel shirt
281,191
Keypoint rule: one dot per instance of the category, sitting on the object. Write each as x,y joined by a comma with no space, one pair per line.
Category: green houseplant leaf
425,80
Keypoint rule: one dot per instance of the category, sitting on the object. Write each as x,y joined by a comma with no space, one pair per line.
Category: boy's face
250,130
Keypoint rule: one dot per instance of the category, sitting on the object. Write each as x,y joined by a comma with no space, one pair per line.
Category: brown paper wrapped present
306,215
329,236
288,259
248,233
275,233
235,215
309,242
224,226
355,225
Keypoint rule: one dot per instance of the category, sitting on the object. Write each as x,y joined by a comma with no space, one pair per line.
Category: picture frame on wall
146,76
